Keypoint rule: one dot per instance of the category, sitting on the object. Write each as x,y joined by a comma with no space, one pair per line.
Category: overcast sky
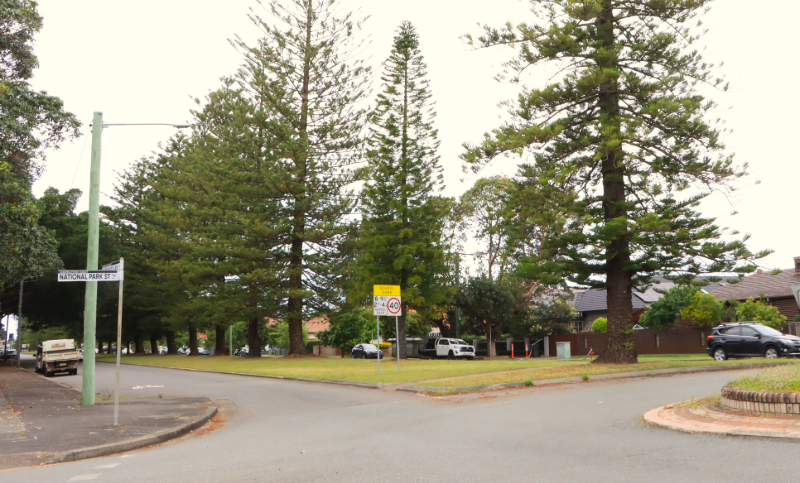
144,61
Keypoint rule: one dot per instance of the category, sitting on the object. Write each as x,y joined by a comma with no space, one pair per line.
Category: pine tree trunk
171,348
295,304
192,341
253,341
139,344
219,345
618,280
153,344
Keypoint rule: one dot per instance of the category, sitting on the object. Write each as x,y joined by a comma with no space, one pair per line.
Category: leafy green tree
416,326
615,141
49,303
347,328
402,227
483,206
600,325
491,307
31,123
758,311
663,312
705,310
797,318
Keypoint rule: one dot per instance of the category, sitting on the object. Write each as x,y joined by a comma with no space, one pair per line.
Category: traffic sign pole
92,249
397,331
378,324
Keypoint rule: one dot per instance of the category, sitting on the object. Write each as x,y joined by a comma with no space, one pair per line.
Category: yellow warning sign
386,290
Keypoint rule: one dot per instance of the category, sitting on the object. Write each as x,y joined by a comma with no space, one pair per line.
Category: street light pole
92,253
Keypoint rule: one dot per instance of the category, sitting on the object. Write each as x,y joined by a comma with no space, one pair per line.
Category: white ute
446,347
57,356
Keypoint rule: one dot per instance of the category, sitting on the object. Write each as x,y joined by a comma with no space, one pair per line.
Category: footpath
42,421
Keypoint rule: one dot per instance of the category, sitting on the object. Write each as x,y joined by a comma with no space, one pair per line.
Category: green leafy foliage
31,122
705,310
663,312
797,318
280,337
757,311
347,328
600,324
35,338
618,150
401,238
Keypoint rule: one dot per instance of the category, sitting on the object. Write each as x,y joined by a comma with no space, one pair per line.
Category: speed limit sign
387,300
393,306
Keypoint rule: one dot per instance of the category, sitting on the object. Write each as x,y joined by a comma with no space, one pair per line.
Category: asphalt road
294,431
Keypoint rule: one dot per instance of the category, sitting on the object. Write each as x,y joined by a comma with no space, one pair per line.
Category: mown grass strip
785,378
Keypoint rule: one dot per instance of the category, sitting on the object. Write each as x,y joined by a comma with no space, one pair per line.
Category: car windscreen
369,347
459,341
768,331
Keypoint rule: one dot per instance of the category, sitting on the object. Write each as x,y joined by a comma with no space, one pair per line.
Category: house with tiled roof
316,325
780,289
591,304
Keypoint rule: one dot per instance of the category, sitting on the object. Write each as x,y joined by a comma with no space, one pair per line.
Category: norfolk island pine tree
401,237
616,140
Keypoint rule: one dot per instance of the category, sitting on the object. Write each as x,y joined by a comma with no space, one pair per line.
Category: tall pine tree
401,232
306,76
617,140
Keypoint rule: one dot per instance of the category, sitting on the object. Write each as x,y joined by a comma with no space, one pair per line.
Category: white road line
84,477
105,467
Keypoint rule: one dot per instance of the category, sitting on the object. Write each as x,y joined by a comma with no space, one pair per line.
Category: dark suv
750,339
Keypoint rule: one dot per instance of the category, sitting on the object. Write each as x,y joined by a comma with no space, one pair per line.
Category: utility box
563,350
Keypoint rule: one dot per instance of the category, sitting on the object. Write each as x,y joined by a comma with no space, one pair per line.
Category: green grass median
785,378
438,373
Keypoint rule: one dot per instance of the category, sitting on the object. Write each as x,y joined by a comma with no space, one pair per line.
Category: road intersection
296,431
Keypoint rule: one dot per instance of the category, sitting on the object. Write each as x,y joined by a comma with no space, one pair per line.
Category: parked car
445,347
750,340
366,351
183,351
203,351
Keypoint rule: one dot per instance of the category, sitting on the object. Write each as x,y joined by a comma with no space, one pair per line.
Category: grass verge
437,373
785,378
586,371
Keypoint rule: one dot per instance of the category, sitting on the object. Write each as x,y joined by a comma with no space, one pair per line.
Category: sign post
119,268
112,272
387,301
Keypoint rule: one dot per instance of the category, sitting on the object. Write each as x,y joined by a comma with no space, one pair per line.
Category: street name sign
89,276
386,300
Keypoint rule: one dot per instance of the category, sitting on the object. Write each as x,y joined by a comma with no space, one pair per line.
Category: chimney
796,264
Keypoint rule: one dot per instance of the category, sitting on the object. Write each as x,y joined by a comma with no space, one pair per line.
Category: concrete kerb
437,391
653,418
136,443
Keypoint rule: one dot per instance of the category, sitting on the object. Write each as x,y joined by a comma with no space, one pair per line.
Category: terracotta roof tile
777,285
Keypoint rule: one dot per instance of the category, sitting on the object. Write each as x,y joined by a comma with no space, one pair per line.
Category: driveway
295,431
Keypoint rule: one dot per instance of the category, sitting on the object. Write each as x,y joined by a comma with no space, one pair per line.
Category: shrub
663,312
797,318
754,311
705,310
386,345
600,325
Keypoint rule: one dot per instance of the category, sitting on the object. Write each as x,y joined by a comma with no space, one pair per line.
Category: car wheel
719,354
771,353
451,356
